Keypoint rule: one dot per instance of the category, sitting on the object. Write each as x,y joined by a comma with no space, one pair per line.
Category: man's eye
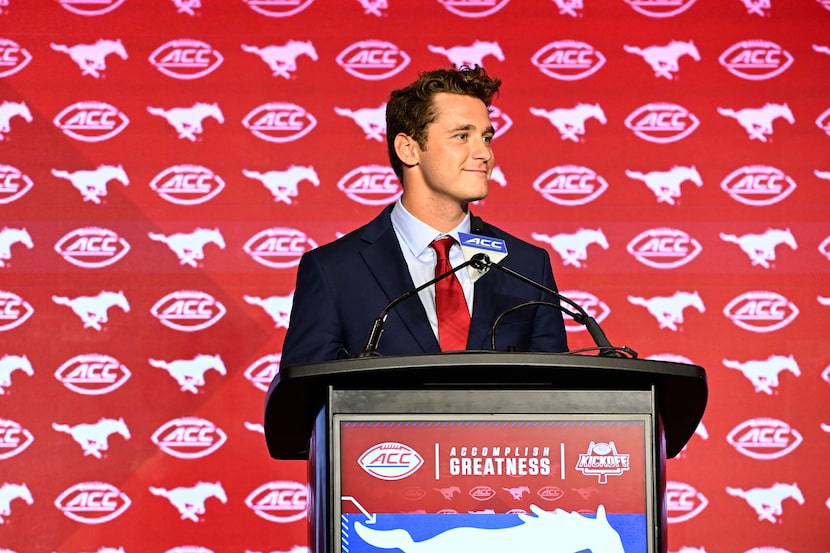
488,139
462,135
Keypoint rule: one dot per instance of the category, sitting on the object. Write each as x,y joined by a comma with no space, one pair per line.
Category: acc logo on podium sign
390,461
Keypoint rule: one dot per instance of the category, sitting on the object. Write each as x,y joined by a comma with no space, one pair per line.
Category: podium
485,451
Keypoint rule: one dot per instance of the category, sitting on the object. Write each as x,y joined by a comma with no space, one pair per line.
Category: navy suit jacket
343,286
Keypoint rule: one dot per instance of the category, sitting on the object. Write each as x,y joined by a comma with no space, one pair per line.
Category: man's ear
407,149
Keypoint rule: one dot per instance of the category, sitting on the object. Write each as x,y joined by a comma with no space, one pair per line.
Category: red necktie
453,315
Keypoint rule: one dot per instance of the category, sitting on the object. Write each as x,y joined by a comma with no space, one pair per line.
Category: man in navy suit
439,139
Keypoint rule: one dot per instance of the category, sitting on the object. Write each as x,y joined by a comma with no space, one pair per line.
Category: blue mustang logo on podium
552,532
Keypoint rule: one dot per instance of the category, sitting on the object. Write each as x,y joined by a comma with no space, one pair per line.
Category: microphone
372,341
484,252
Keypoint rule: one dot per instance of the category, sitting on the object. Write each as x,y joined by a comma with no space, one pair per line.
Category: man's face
458,158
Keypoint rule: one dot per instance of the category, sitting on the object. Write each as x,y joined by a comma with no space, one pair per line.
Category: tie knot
442,246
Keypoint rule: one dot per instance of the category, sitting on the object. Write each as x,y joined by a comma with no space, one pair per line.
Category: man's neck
442,216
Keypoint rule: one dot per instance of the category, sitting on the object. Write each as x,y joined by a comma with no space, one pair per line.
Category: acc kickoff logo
764,438
758,185
92,502
187,184
92,247
92,374
188,310
756,60
371,185
13,57
14,310
683,502
279,122
279,501
186,59
761,311
664,248
279,248
13,184
13,438
189,437
390,461
570,185
662,123
568,60
91,121
373,60
602,461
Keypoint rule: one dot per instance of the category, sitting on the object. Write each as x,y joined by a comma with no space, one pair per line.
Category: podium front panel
484,470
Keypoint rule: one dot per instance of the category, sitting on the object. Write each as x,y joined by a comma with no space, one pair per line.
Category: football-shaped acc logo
92,502
189,437
568,60
279,122
91,121
390,461
188,310
373,60
187,184
92,374
662,123
371,185
764,439
761,311
14,310
758,185
92,247
279,501
570,185
683,502
13,438
13,183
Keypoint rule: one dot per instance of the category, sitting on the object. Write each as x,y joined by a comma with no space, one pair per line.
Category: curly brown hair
410,110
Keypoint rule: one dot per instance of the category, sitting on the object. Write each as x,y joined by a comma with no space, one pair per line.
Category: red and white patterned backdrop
163,164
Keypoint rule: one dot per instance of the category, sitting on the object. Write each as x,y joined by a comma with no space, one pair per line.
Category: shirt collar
417,235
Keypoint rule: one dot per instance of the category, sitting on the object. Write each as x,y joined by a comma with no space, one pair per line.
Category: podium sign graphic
493,482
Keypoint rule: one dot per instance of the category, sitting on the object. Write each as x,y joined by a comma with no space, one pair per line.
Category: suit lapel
385,261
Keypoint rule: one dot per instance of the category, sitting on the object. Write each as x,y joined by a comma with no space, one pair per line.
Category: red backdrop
163,164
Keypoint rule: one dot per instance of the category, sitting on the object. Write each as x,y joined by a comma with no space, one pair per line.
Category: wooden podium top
298,392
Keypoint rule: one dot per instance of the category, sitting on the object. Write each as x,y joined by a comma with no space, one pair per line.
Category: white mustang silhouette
668,310
284,185
93,184
190,247
767,502
190,501
277,307
573,248
190,374
764,374
664,59
9,364
94,438
666,184
371,120
10,492
10,236
92,310
758,121
761,247
188,121
282,60
570,122
91,58
9,110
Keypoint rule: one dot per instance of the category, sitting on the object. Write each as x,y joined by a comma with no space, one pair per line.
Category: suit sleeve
315,332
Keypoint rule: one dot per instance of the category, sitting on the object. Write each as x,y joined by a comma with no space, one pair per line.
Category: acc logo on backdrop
758,185
390,461
664,248
373,60
91,121
13,57
279,247
279,122
92,502
92,374
278,8
87,8
279,501
13,184
570,185
187,184
189,437
761,311
568,60
500,121
371,185
186,59
756,60
473,8
594,306
764,438
262,372
13,438
683,502
92,247
660,8
188,310
662,123
14,310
